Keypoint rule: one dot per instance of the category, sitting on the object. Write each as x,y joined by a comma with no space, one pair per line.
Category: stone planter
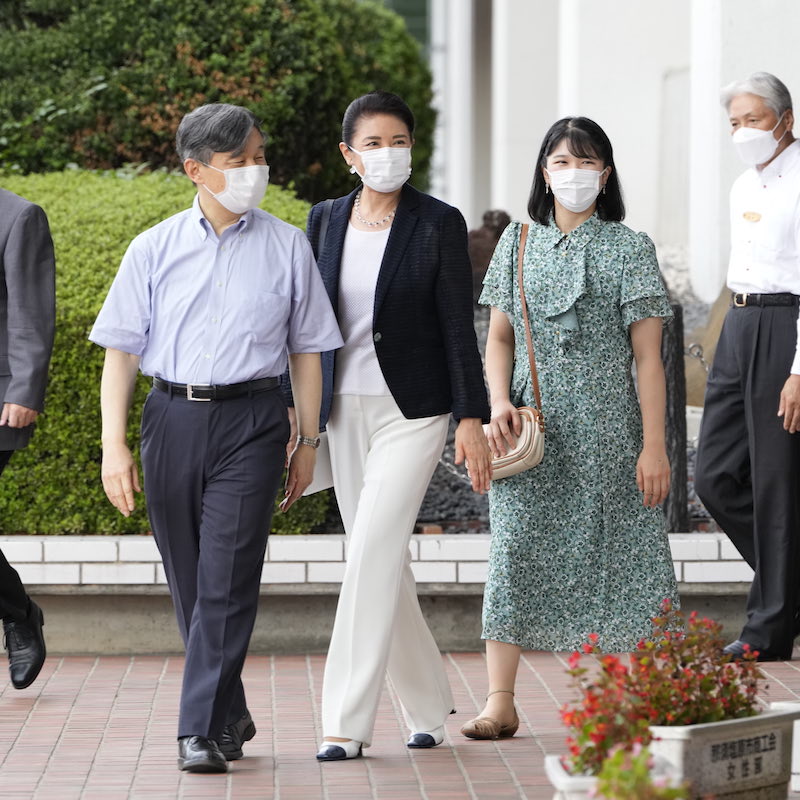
568,787
745,759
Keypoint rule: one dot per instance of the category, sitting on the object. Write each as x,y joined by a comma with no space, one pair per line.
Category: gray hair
215,128
766,86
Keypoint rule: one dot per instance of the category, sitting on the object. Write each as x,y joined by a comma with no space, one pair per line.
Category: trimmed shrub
101,83
53,486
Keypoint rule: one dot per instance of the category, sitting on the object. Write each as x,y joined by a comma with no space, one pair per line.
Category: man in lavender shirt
212,303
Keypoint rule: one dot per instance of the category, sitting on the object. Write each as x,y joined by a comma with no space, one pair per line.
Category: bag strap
327,207
523,236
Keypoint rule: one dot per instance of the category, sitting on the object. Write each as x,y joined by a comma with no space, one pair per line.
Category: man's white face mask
755,146
244,187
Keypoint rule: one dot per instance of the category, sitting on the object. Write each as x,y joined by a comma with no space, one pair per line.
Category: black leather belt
742,299
204,392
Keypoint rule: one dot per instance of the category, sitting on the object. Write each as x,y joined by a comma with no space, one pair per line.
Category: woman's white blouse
357,368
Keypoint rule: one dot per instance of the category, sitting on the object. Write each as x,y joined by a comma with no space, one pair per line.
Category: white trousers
382,464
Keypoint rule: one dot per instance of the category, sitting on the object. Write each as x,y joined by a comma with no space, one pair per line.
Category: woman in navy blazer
395,264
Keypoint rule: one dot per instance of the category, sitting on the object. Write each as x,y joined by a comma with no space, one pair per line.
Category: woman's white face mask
386,169
575,189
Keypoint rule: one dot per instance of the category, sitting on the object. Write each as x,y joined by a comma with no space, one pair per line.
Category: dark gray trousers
748,466
212,471
13,597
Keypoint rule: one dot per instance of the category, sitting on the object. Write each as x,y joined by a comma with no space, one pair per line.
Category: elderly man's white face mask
755,146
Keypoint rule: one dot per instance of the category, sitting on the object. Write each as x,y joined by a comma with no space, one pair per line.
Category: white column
452,63
569,32
706,266
524,98
438,63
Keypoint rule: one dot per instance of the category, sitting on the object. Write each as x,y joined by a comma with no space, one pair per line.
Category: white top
765,230
357,368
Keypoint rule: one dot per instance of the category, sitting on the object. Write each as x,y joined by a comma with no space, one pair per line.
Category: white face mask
575,189
244,187
386,169
755,146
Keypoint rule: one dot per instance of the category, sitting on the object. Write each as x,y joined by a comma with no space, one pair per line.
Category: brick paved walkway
104,729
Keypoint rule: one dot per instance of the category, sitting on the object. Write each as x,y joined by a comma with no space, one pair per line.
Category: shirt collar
575,240
204,227
781,162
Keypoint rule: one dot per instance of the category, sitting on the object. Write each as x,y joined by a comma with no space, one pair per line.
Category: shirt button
207,355
377,337
215,319
223,247
219,283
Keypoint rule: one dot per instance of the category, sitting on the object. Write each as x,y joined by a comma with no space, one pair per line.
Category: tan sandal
488,728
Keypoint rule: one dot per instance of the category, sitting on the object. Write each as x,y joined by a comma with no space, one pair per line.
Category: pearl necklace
357,210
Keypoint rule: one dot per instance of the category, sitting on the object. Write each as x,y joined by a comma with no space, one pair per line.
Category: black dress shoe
25,644
738,649
234,735
198,754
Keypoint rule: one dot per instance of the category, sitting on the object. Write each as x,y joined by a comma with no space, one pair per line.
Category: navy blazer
422,321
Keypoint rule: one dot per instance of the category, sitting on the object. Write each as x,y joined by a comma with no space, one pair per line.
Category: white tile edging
700,559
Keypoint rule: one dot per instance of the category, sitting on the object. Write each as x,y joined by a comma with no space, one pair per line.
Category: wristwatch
311,441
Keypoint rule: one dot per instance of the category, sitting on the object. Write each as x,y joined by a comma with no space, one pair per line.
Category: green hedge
53,486
101,83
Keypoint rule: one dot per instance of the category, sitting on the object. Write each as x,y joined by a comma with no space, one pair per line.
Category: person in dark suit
396,268
27,325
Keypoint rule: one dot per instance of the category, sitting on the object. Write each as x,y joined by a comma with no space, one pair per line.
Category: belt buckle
190,393
743,295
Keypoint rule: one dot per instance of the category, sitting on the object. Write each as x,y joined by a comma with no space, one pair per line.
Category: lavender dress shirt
206,310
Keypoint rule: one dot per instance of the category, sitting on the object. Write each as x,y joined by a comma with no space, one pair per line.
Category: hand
16,416
292,441
504,429
653,475
471,445
789,406
301,472
120,477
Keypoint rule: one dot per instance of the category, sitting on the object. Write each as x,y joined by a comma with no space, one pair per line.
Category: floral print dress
573,549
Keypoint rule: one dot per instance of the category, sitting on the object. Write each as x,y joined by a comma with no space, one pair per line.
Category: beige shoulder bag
529,448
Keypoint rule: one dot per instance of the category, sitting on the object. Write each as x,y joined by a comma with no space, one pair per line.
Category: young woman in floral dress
578,543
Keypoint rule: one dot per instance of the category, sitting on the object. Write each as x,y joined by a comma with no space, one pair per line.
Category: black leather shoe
234,735
198,754
25,644
738,649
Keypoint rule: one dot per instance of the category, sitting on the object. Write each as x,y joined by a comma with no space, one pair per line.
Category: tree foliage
101,83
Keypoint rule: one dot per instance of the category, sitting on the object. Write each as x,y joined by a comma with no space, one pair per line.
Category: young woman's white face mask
575,189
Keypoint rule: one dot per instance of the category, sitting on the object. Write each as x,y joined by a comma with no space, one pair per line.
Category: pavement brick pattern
103,728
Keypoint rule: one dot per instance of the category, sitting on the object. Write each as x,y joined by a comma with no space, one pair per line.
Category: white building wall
630,53
648,72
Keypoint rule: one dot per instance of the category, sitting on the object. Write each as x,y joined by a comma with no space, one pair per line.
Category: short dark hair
375,103
585,138
215,128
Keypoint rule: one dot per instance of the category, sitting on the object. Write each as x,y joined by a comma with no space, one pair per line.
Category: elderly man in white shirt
748,461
